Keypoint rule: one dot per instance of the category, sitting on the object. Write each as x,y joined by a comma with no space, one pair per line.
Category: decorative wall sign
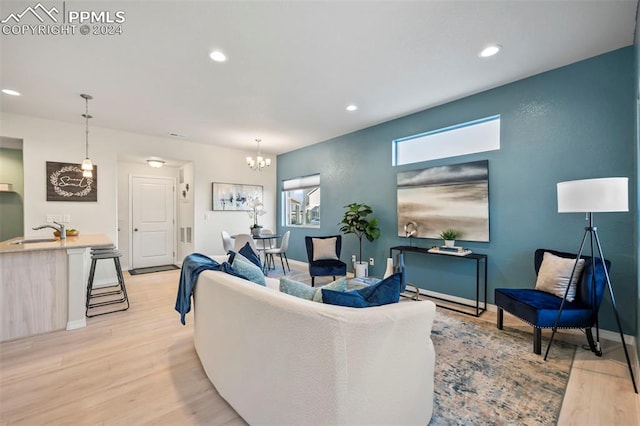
66,183
235,196
446,197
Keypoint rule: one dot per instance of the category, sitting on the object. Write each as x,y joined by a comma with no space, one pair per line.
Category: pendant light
87,165
260,162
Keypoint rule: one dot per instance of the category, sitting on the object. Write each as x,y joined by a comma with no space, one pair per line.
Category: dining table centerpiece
256,208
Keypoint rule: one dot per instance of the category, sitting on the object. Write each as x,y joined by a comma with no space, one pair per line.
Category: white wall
185,210
47,140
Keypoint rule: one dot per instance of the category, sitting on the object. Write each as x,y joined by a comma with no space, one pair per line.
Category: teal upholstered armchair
540,309
323,254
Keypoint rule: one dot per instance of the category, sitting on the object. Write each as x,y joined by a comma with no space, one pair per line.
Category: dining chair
241,240
227,243
267,243
266,231
280,251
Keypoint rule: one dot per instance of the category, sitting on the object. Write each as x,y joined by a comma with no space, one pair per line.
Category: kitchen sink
35,240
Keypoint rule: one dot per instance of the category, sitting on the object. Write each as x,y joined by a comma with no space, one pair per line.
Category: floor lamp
594,196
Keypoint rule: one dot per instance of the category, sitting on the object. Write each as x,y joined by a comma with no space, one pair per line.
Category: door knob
135,229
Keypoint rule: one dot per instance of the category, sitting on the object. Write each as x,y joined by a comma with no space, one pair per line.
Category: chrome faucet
59,228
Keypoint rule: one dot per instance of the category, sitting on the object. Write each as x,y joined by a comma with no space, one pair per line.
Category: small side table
480,260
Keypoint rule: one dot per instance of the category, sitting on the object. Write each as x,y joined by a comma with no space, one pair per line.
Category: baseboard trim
73,325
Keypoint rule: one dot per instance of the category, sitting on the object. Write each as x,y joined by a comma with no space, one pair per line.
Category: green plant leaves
355,221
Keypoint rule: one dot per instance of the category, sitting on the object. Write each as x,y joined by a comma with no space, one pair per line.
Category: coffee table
361,282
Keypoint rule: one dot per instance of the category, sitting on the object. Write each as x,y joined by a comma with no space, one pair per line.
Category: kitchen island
43,284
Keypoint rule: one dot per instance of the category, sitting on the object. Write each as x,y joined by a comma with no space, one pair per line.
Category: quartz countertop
80,241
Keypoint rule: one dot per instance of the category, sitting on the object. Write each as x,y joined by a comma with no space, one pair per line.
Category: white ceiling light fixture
352,107
11,92
260,162
490,50
87,164
218,56
156,164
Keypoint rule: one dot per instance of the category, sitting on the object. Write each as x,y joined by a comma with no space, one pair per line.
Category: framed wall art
66,183
234,196
446,197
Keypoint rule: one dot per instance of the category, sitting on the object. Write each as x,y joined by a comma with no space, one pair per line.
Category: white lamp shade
87,164
594,195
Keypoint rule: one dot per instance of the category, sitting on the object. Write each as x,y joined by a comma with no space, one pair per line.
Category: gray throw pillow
554,273
324,249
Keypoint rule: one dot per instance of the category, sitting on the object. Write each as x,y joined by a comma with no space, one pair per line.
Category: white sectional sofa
281,360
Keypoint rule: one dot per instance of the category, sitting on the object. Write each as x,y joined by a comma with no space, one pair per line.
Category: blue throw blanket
192,266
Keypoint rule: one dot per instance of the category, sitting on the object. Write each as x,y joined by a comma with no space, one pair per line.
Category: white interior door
152,220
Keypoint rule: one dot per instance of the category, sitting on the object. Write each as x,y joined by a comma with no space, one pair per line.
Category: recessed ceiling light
490,50
352,108
218,56
10,92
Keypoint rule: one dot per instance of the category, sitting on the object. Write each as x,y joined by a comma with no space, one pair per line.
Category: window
465,138
301,201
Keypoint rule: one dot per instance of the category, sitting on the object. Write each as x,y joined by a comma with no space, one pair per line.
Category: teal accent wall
11,203
574,122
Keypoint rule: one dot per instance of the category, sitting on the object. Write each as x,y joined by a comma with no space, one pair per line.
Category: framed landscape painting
234,196
446,197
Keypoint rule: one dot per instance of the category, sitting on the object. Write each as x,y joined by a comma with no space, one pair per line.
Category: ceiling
292,67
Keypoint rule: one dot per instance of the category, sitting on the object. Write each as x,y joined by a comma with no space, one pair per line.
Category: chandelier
260,162
87,165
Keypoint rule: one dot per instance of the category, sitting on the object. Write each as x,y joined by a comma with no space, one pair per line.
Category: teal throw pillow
297,289
303,291
338,285
385,292
248,270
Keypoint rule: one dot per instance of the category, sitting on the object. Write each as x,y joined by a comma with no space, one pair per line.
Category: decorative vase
389,271
402,269
255,231
449,243
361,269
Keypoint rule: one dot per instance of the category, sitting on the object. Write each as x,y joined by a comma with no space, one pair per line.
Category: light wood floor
140,367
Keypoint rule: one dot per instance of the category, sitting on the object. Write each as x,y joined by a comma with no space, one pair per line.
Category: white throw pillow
324,249
554,273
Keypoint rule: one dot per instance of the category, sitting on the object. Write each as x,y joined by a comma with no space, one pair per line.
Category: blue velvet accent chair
325,267
540,309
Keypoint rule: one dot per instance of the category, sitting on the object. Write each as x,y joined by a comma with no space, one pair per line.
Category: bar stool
119,289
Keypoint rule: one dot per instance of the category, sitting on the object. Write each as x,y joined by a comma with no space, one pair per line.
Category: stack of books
456,251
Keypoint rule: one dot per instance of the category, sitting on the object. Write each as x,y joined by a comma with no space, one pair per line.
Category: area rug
139,271
488,376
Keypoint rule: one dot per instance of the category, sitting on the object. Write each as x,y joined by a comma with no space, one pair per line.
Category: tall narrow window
465,138
301,201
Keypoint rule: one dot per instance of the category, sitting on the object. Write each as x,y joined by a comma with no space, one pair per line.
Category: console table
481,264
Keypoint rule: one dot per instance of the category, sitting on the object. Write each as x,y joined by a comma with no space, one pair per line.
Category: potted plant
257,209
357,221
449,236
